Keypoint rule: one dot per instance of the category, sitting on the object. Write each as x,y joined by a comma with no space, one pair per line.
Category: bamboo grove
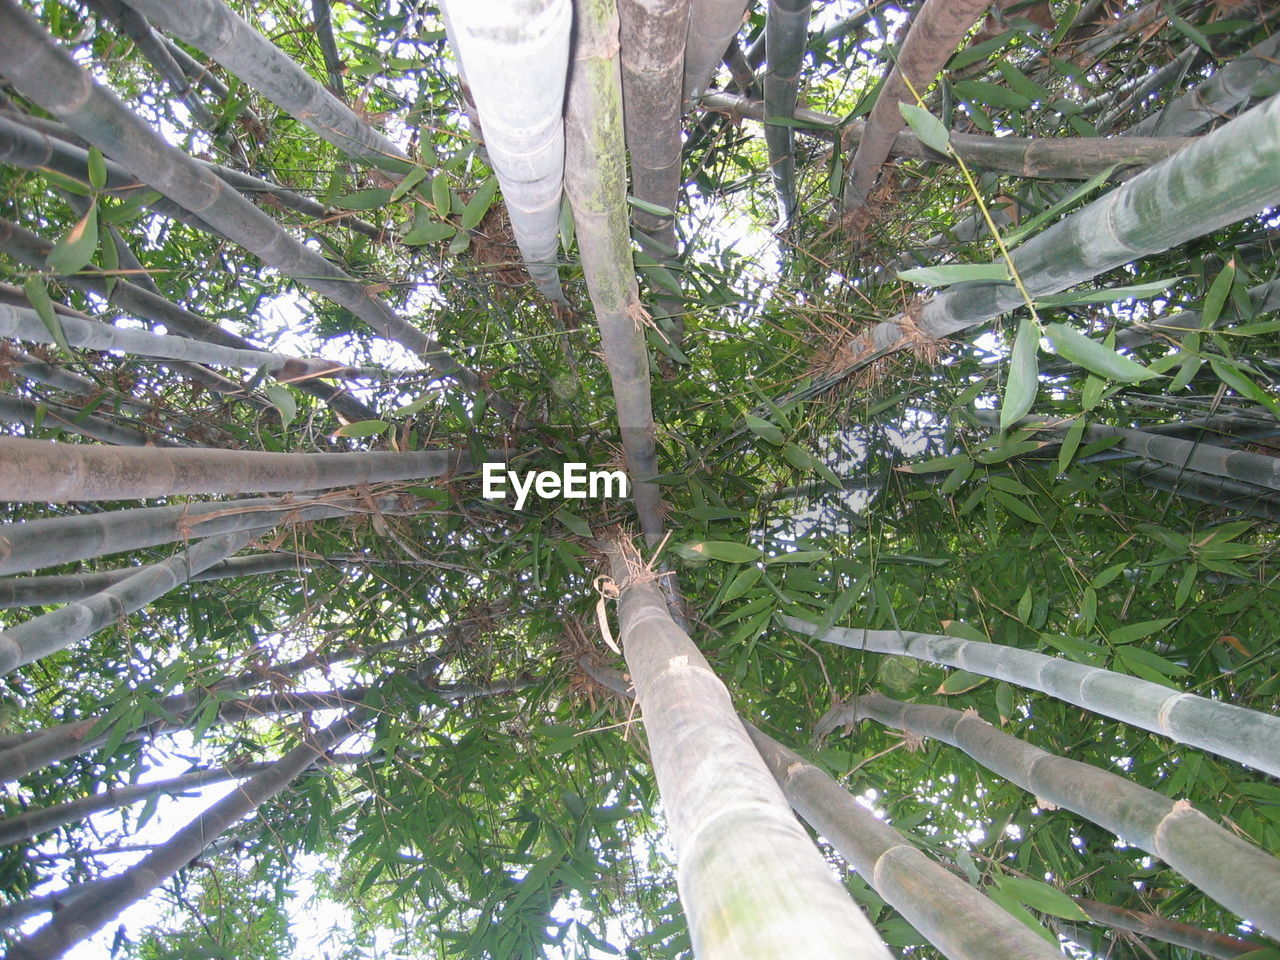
936,340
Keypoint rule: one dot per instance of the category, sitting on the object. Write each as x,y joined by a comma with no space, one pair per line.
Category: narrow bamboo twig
24,324
86,915
70,587
31,59
1232,871
224,35
58,629
1065,158
596,182
936,29
950,914
26,247
517,63
1220,178
1246,736
34,544
786,30
751,882
60,472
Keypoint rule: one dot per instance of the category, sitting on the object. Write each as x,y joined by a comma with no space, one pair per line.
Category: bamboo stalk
786,31
58,629
1207,942
1064,158
85,915
1232,871
34,63
712,24
47,415
596,182
751,882
937,27
1246,736
517,64
70,587
950,914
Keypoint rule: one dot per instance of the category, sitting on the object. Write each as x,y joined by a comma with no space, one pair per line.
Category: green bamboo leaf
1237,380
744,581
97,169
725,550
960,681
957,273
956,478
1137,631
1071,443
799,556
428,233
282,399
927,127
647,207
1093,356
1040,896
1135,291
74,251
991,94
1185,585
479,204
411,180
1028,227
937,464
109,260
574,522
363,200
1004,702
965,631
765,430
1012,906
362,428
1216,298
1024,374
38,296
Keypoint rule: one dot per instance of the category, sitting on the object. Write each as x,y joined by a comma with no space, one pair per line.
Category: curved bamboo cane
938,26
1232,871
1246,736
517,63
751,882
34,63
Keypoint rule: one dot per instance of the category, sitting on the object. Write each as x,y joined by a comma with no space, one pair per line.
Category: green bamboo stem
950,914
58,629
1246,736
34,63
1232,871
86,915
596,182
786,33
712,24
1065,158
936,29
211,26
517,64
751,882
27,248
24,324
70,587
1244,498
1222,177
1210,101
46,472
323,20
35,544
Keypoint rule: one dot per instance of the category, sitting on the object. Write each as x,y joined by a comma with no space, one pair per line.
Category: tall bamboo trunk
751,882
786,30
1244,735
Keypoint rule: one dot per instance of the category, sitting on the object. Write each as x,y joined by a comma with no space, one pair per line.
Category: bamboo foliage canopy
937,344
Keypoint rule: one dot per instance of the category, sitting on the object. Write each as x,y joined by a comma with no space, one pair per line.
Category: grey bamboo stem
751,882
712,24
46,472
1232,871
85,915
786,30
50,632
1156,927
596,182
950,914
56,415
1247,736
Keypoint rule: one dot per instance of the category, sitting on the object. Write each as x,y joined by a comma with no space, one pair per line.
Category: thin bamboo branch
596,182
31,59
1232,871
1066,158
1246,736
85,915
70,587
936,29
1206,942
751,882
58,629
950,914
